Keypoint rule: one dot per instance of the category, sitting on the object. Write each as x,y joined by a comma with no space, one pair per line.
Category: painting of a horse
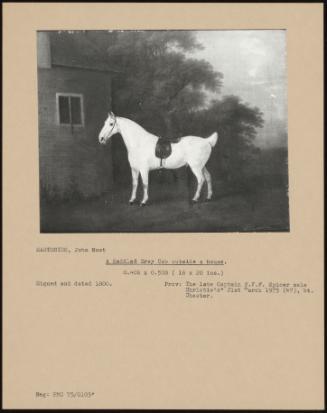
193,151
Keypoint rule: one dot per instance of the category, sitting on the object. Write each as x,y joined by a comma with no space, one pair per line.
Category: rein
113,125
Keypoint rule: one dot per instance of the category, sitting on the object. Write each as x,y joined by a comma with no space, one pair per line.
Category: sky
253,63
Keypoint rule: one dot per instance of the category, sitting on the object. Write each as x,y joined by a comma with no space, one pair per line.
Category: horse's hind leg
200,178
135,178
207,177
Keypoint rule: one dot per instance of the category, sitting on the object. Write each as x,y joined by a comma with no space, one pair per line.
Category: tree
236,123
159,85
157,81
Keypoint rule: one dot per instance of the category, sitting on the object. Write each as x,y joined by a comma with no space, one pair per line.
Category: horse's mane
137,126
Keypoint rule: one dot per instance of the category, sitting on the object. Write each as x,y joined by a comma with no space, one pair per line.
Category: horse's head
110,127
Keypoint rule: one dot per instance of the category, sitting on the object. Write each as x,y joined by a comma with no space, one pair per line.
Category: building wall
43,50
71,160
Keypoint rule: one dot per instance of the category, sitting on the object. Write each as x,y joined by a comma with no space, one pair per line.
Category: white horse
190,150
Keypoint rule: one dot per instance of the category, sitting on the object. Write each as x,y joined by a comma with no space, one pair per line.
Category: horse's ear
111,114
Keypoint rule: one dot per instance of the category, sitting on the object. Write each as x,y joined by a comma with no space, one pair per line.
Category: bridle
113,125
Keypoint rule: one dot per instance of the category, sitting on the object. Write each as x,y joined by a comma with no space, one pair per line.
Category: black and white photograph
163,131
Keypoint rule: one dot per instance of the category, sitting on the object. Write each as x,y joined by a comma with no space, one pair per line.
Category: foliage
160,85
236,124
157,79
53,194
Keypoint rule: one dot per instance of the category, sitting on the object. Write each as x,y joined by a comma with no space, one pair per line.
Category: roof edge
84,67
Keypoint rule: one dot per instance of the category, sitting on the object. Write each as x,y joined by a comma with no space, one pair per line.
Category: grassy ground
169,210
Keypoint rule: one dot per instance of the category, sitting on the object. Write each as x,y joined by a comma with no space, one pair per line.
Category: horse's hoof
143,204
132,202
208,200
194,201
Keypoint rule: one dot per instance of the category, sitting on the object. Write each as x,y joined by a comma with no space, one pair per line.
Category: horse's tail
213,139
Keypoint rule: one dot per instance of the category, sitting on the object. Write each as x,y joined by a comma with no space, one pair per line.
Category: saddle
163,148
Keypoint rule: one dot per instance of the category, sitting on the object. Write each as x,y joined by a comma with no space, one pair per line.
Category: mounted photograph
163,131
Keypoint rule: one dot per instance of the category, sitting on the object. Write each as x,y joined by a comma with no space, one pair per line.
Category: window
70,109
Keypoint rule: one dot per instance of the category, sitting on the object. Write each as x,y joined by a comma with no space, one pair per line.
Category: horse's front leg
135,178
145,180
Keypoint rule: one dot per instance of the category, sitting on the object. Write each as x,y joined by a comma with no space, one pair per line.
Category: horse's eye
111,123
